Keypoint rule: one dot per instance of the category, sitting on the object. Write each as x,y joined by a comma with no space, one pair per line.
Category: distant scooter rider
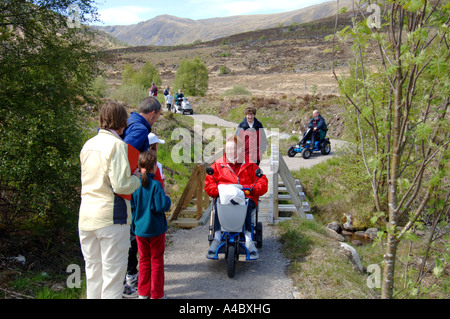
317,125
179,98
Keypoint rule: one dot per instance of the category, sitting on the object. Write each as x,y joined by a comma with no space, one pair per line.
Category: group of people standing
123,204
123,197
170,100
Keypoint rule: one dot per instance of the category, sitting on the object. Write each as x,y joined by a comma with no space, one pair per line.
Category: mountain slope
171,30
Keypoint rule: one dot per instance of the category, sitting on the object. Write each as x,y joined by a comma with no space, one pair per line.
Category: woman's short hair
113,116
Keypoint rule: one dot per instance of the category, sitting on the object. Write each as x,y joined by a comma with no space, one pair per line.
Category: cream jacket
105,172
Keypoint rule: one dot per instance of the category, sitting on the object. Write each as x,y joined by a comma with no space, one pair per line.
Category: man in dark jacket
140,122
251,131
136,134
318,127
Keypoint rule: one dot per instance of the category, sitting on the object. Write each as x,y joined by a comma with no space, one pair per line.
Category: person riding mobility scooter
182,104
235,187
314,139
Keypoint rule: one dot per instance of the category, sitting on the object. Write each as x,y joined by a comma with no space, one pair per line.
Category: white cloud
123,15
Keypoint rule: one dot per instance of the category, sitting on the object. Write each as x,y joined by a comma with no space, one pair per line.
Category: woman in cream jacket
104,217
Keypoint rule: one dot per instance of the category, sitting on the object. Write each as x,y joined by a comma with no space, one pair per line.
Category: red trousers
151,266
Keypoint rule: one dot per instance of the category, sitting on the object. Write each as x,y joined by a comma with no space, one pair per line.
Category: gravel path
211,119
190,275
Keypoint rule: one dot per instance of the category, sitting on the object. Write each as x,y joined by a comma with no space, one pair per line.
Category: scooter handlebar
259,173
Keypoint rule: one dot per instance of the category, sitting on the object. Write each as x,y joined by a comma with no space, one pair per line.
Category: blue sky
119,12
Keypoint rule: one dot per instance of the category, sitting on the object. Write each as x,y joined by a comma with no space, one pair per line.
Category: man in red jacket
232,169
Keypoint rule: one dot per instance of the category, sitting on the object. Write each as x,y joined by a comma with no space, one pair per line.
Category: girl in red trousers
149,204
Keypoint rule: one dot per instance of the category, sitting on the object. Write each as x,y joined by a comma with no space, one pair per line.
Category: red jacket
245,176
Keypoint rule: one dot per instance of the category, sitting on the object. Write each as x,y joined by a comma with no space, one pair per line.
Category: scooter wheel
326,148
231,261
306,153
291,152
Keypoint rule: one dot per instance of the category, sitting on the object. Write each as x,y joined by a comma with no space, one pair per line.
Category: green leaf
374,219
423,131
413,5
438,267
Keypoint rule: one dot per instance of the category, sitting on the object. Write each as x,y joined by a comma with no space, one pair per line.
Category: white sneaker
213,247
129,292
132,280
251,247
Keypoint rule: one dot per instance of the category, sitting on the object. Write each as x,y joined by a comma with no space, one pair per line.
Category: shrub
143,78
131,94
99,87
192,77
237,90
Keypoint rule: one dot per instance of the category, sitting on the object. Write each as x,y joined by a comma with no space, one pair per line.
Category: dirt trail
190,275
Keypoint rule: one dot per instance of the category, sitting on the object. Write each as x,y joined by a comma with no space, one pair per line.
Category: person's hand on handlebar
247,189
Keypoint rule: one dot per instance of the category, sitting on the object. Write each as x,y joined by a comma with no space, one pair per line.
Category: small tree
143,78
400,106
192,77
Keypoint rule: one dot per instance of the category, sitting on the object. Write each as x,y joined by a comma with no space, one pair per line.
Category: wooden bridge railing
195,188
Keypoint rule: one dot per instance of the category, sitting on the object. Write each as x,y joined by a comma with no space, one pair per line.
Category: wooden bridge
284,199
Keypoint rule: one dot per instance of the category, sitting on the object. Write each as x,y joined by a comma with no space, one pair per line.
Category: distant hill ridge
171,30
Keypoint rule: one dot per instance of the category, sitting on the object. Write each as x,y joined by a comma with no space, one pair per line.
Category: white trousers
105,254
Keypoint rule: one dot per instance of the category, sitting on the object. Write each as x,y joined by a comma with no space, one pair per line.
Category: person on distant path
318,127
153,90
169,101
105,216
136,134
178,98
251,131
166,91
149,204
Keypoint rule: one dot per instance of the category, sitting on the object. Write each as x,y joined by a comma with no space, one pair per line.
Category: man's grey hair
149,104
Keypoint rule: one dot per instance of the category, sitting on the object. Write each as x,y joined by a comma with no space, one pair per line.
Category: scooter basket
231,217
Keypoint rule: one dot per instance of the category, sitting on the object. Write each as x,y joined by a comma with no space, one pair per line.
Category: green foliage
38,285
99,87
43,78
144,77
192,77
136,84
336,187
400,111
129,93
237,90
223,70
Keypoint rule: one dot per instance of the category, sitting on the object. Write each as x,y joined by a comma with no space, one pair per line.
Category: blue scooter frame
232,243
324,146
234,238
